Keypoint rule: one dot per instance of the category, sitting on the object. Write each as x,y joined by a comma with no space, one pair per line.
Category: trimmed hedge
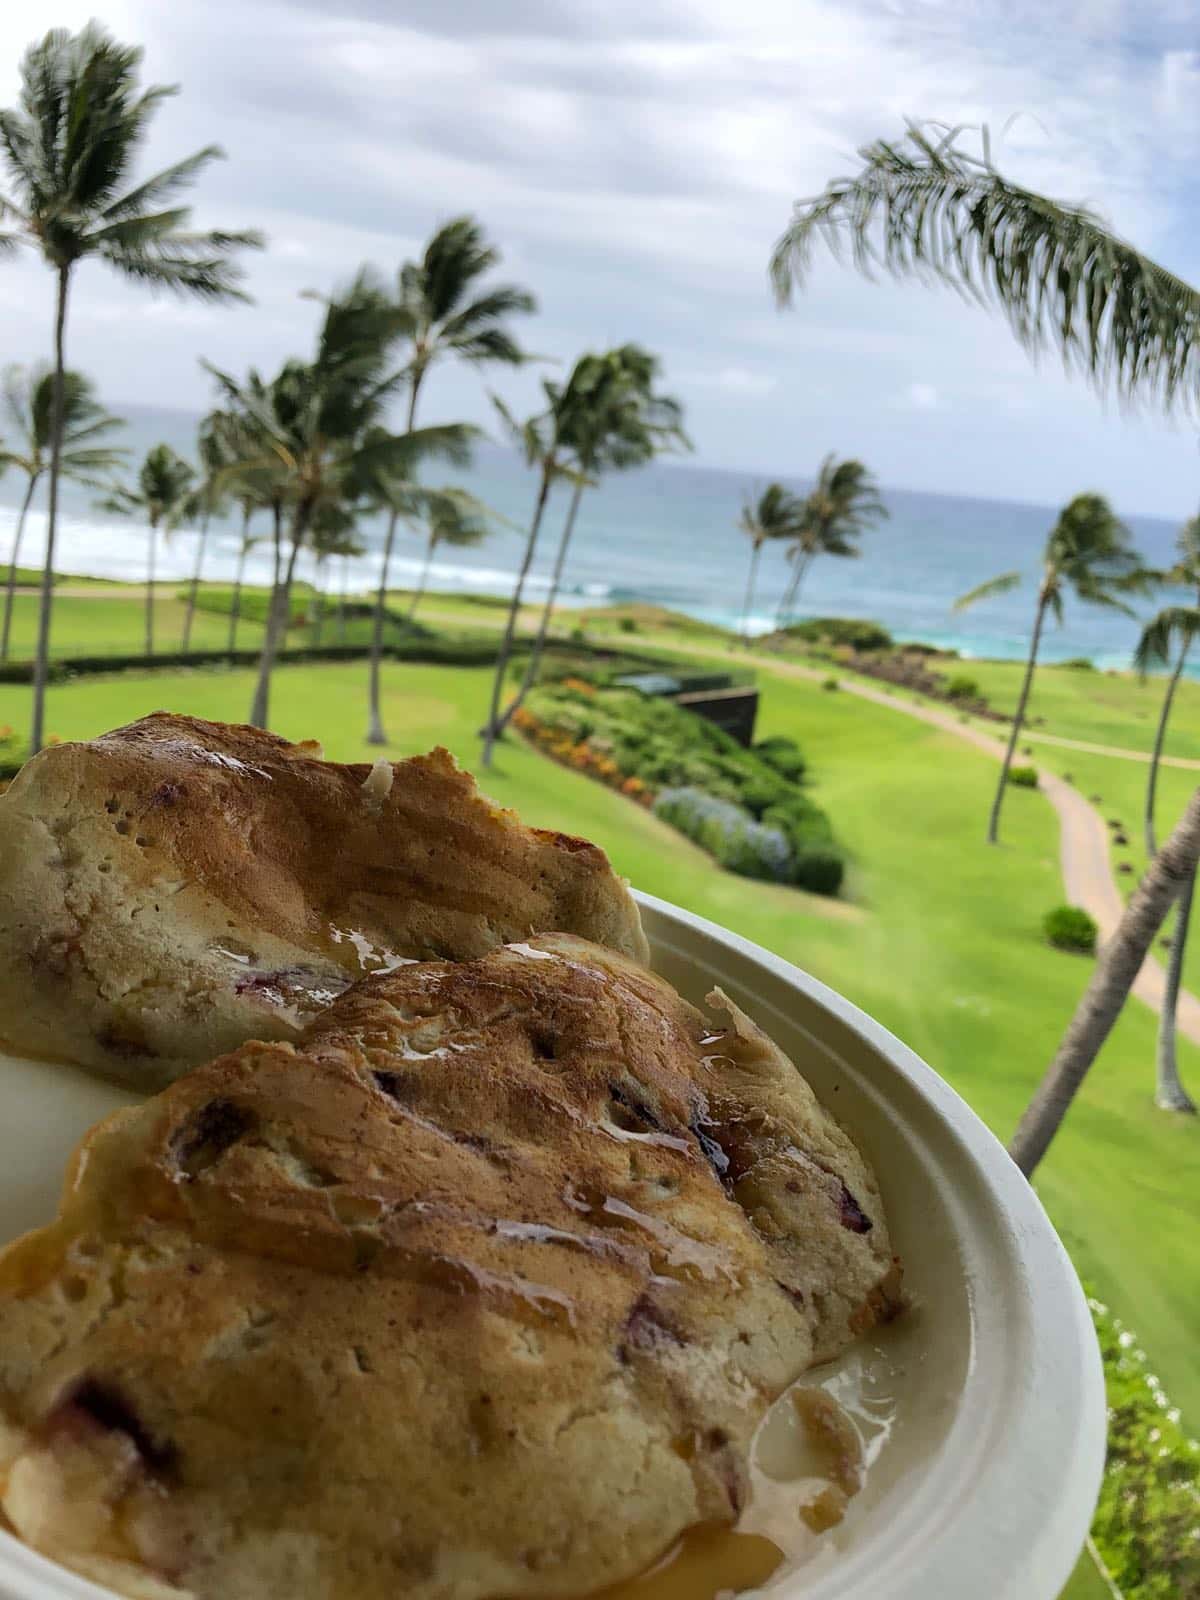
960,687
737,803
1023,777
1071,928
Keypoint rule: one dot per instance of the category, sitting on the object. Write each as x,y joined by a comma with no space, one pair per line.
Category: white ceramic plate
986,1401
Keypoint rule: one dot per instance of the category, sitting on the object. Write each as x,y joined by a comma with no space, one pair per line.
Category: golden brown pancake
178,886
478,1290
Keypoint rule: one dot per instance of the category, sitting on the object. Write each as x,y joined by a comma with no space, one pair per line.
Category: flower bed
746,807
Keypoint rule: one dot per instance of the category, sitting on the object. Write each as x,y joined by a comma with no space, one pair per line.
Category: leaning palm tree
1087,552
71,146
450,516
445,312
610,420
161,497
83,457
1171,634
842,504
215,445
925,208
776,514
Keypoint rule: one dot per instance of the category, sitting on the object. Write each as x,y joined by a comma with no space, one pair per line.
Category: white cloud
921,397
736,380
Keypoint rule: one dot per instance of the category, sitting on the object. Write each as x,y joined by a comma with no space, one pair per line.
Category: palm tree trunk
1169,1092
755,552
319,605
1118,965
10,590
792,590
278,617
41,660
1160,735
419,591
341,605
194,586
150,556
235,609
491,730
993,832
375,728
539,644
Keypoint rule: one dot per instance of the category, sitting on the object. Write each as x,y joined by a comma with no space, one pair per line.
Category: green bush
628,625
1146,1519
818,868
728,833
1079,664
1071,928
960,687
830,683
783,755
1023,777
853,631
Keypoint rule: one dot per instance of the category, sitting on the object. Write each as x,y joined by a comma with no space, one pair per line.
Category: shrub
1023,777
628,625
960,687
1071,928
854,631
728,833
818,868
783,755
1079,664
830,683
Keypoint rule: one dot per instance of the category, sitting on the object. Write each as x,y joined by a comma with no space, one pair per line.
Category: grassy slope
947,954
116,626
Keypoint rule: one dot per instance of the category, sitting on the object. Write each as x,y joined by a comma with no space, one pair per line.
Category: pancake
178,886
479,1289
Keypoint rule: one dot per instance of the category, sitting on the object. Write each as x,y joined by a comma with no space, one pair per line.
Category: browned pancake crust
178,886
481,1291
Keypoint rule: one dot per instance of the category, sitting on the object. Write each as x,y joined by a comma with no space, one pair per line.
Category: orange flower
580,685
53,739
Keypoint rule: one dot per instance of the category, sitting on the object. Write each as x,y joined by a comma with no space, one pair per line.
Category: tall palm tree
334,533
246,543
612,419
1171,633
842,504
319,425
161,497
445,312
70,147
83,458
925,208
539,439
776,514
449,516
1087,552
210,497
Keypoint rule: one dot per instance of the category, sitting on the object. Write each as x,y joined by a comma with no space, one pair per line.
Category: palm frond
926,208
1004,584
163,185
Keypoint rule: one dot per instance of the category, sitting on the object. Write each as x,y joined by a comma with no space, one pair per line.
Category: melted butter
534,955
666,1141
704,1563
678,1249
372,957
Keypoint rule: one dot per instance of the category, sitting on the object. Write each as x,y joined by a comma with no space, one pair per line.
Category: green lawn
941,943
114,624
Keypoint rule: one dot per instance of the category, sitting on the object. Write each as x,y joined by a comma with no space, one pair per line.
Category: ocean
666,534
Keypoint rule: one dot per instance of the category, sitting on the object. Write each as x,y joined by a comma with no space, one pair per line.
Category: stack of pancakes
472,1275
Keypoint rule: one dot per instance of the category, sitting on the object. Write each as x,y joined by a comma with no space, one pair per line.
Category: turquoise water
668,534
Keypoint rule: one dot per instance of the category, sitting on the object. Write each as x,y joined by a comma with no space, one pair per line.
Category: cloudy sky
635,160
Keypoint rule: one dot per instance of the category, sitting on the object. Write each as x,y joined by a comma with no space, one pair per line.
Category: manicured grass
114,624
1119,709
946,951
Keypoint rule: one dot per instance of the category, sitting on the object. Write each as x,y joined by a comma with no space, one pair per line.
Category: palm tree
1118,965
776,514
450,516
245,544
70,147
214,446
319,427
842,504
440,317
333,534
161,496
389,483
611,419
1170,633
927,208
539,440
29,404
1087,551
